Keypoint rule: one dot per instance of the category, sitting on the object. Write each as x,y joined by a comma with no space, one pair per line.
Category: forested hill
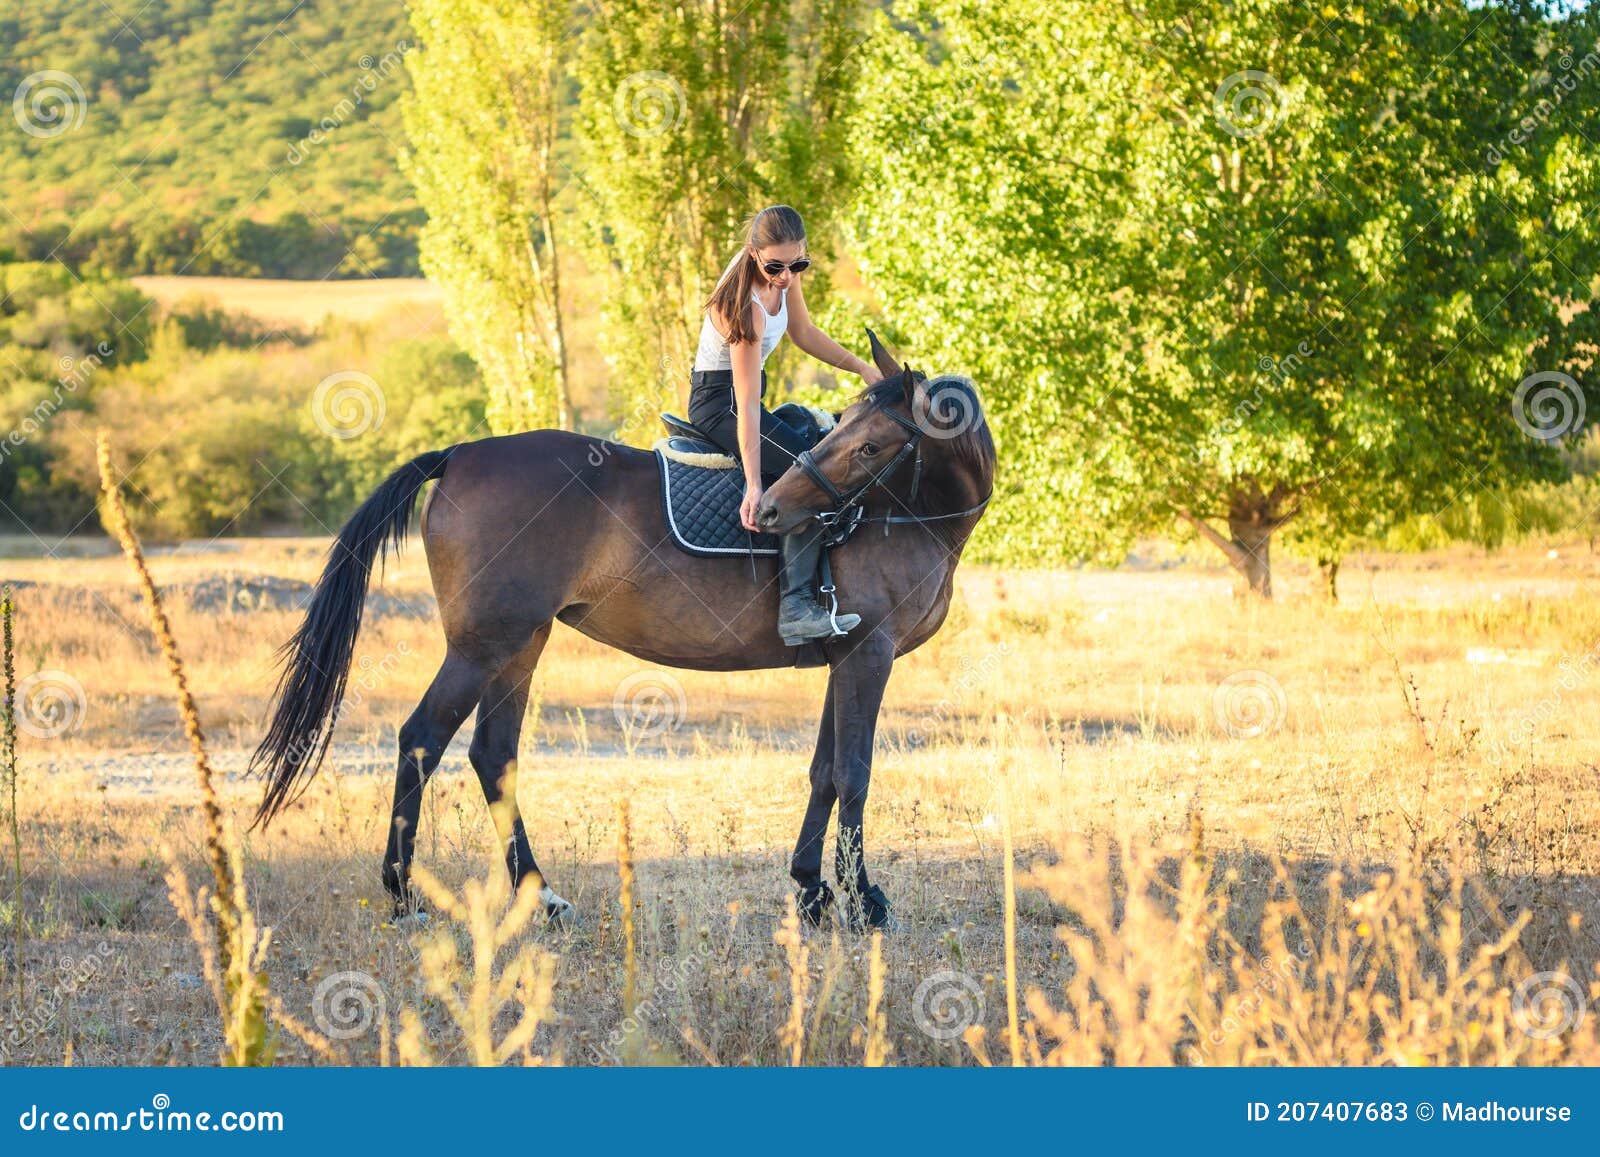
179,136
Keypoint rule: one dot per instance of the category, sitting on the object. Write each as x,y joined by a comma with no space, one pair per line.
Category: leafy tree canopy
1249,262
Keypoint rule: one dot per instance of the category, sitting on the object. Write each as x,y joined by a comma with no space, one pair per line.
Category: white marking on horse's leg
560,911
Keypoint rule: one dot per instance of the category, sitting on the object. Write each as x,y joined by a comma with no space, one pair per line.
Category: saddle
702,487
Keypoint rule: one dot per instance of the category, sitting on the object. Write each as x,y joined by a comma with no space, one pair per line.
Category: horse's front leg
806,866
857,687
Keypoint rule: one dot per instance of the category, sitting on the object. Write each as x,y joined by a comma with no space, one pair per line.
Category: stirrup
835,626
827,588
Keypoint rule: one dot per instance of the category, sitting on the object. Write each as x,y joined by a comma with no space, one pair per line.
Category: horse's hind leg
494,758
423,738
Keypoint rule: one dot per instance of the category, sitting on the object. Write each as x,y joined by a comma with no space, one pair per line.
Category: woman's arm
746,359
805,334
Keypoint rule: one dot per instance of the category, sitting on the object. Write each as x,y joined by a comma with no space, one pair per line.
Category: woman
756,302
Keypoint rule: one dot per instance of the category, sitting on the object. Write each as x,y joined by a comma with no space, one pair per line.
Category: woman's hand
747,508
819,345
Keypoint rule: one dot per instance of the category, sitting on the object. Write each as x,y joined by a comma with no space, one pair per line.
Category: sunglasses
773,268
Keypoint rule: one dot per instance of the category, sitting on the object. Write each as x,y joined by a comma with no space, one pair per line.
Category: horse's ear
887,366
910,384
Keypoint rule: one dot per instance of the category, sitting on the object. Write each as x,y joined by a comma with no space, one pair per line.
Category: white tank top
713,352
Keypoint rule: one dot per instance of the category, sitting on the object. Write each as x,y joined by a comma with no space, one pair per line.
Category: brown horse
533,528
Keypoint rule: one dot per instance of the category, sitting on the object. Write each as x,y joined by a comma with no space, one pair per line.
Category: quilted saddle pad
701,506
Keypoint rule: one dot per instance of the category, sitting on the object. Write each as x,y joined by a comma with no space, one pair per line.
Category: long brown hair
774,225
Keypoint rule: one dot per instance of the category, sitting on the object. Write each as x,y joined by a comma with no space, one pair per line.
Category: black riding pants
711,409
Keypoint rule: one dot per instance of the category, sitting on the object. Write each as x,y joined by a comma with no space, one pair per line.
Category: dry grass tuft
496,1009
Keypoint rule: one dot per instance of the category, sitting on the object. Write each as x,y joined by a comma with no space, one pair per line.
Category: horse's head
903,410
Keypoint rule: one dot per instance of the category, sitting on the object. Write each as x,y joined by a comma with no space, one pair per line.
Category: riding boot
800,616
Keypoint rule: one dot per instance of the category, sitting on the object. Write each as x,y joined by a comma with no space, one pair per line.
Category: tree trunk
1252,518
558,331
1329,565
1252,537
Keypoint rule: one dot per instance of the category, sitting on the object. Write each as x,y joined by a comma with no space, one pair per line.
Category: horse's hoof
409,911
814,904
557,911
870,909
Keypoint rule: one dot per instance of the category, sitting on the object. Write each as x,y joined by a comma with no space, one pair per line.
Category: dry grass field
1291,833
301,304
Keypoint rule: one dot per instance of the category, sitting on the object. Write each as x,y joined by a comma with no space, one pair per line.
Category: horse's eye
868,449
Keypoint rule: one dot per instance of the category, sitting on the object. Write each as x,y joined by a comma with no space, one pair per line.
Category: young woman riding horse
757,301
547,525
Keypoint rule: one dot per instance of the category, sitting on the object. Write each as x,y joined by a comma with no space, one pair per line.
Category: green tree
1249,264
693,116
482,122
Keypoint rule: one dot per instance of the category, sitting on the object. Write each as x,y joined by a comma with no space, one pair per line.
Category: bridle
848,514
847,509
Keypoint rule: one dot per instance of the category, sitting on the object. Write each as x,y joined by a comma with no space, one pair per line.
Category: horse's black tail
312,685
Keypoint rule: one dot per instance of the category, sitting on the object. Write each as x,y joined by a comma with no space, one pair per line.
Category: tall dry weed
496,1008
8,769
234,955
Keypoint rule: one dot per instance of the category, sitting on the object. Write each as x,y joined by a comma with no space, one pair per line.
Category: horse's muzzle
771,518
